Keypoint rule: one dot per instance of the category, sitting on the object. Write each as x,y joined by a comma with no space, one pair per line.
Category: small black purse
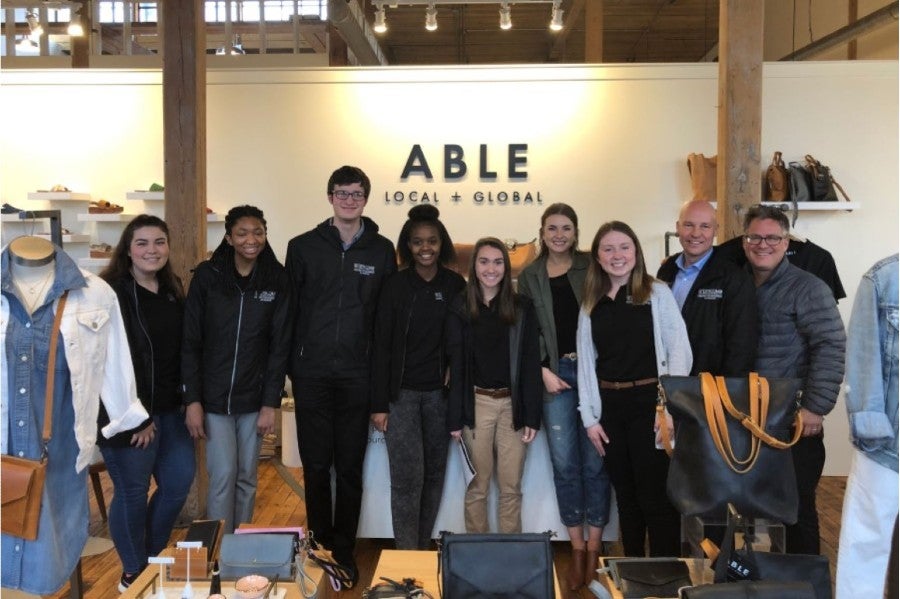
640,577
513,566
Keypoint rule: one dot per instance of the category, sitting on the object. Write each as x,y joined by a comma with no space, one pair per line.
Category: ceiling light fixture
556,17
75,29
34,26
431,17
505,16
380,25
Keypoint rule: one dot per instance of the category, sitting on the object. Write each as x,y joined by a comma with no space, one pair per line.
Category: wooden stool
94,471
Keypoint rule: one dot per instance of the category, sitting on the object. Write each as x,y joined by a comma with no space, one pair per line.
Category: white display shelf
155,196
59,195
13,218
93,262
68,238
813,206
109,217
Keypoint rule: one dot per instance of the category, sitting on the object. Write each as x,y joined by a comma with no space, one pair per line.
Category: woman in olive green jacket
554,281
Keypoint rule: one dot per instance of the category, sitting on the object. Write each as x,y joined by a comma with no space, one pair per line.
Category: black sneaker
127,580
7,209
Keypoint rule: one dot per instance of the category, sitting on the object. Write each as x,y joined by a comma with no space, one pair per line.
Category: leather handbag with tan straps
21,479
732,442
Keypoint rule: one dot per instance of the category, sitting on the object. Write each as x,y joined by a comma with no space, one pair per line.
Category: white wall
611,141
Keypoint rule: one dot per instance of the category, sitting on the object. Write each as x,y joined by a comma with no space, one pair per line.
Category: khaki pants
492,436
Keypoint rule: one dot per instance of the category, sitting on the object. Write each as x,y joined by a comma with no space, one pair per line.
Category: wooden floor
278,504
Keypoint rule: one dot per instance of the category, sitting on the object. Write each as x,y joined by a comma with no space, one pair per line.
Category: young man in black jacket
336,271
716,297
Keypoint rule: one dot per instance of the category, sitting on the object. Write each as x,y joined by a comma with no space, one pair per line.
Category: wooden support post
593,31
740,112
337,48
184,149
184,122
81,45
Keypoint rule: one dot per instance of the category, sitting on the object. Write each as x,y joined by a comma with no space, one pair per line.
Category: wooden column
740,112
183,32
337,48
184,122
81,45
593,31
852,16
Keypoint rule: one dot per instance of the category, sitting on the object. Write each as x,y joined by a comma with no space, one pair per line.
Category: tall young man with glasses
337,270
801,336
716,297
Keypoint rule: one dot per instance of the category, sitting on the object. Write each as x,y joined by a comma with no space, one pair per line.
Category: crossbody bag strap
51,373
718,427
756,422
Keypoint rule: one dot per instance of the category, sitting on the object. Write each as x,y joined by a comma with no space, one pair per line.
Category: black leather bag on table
513,566
760,589
640,577
735,565
732,440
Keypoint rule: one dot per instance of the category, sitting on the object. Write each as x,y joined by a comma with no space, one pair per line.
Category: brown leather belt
495,393
627,384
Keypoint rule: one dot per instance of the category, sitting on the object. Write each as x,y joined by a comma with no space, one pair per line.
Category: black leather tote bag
513,566
732,445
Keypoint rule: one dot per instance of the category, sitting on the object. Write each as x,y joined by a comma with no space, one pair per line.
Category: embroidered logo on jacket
710,294
438,296
265,296
365,270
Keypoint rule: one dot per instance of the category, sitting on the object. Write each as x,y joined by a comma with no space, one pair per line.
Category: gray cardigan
534,283
673,350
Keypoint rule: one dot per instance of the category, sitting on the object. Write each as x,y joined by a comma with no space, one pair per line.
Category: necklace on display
31,295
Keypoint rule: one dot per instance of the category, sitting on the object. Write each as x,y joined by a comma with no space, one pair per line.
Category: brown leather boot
576,570
591,564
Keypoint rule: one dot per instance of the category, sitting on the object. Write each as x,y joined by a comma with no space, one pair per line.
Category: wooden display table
698,568
421,565
148,582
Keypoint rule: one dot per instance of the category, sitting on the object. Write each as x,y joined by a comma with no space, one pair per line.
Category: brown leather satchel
703,176
777,182
21,479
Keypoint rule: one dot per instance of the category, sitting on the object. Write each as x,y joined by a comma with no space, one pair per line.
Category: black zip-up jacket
402,293
527,385
235,345
335,294
143,359
720,314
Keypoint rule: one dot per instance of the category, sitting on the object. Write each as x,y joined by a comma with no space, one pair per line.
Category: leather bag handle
776,160
755,423
51,373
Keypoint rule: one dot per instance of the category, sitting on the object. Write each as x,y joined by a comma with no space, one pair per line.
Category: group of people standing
426,355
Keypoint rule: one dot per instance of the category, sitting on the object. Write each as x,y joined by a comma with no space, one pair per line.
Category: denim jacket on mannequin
871,383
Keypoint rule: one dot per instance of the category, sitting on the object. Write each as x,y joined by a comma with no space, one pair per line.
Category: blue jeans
140,529
581,481
232,456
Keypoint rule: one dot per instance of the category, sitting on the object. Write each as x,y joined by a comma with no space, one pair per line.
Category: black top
423,363
623,336
803,254
565,313
490,337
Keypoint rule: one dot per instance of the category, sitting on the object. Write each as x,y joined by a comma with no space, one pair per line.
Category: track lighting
431,18
556,17
505,17
380,25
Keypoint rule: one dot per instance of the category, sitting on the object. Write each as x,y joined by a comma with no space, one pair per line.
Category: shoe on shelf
7,209
127,580
103,207
101,250
60,188
156,187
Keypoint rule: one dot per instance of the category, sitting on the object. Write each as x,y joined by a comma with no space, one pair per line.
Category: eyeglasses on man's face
356,196
771,240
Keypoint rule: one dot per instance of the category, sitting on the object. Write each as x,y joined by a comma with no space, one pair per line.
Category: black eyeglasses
343,195
771,240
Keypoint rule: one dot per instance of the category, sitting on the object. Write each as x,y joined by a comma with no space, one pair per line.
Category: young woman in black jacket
496,392
234,356
151,299
409,371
